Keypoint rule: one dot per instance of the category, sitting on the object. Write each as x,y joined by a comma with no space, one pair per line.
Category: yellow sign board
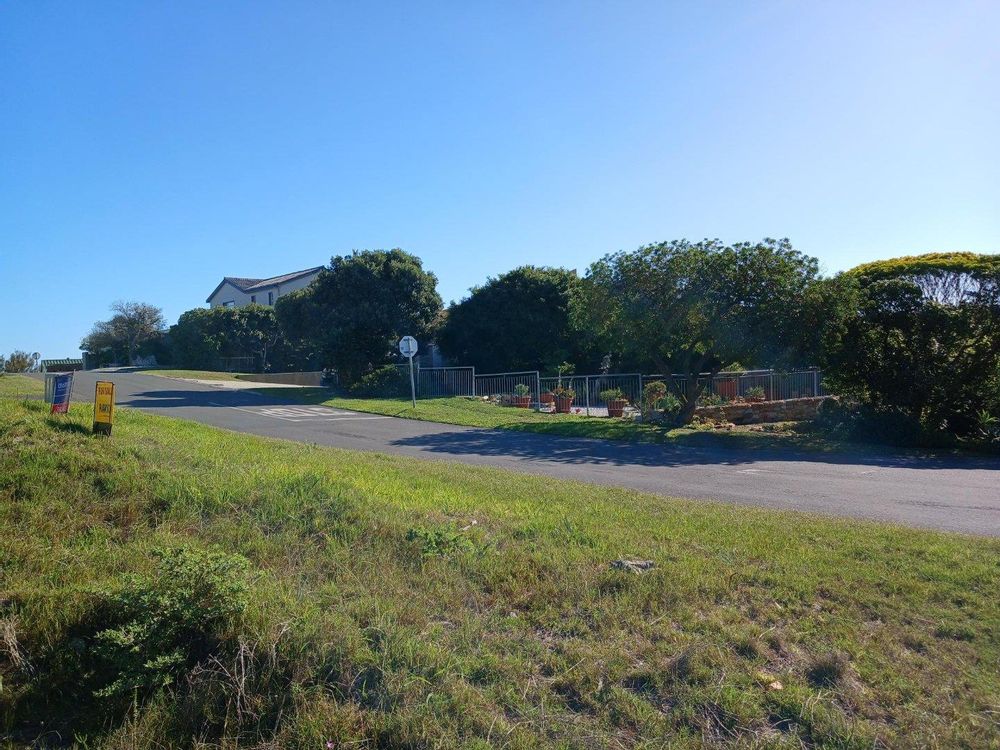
104,406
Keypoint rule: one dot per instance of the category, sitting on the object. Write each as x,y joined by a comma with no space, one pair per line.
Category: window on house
270,298
229,303
253,299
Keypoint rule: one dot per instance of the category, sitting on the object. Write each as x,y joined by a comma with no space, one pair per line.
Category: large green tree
201,337
921,336
355,312
690,308
519,320
133,325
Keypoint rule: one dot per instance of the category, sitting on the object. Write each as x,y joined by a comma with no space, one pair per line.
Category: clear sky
149,148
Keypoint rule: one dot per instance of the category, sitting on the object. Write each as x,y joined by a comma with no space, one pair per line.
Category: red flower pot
616,407
521,402
563,404
547,398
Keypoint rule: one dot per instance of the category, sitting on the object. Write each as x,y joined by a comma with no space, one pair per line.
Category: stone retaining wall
792,409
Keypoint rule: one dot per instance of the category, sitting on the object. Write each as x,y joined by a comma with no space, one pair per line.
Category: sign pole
408,347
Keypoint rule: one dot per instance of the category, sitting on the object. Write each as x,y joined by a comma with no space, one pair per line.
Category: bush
611,394
522,390
385,382
162,625
891,426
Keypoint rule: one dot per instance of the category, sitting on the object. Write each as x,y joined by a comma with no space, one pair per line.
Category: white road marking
302,413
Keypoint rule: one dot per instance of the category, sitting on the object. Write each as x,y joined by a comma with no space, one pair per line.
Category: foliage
133,325
18,361
203,336
519,320
521,389
160,626
386,381
699,307
561,391
611,394
440,542
921,337
359,307
755,393
657,399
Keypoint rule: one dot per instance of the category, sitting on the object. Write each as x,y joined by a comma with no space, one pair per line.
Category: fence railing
588,389
731,385
505,383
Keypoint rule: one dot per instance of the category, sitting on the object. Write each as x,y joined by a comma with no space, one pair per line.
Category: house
61,365
235,291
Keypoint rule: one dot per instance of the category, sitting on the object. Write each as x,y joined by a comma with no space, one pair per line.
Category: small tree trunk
692,391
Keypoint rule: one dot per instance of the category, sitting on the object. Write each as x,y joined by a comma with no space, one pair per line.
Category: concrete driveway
955,494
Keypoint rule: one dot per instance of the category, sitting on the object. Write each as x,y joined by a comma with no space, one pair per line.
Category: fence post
586,386
473,382
538,389
815,383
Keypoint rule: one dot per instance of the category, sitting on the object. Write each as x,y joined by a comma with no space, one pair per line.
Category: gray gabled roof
246,285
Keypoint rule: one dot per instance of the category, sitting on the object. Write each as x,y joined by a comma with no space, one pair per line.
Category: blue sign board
61,389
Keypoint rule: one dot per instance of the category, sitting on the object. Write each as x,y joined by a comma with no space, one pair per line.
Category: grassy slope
18,386
476,413
517,635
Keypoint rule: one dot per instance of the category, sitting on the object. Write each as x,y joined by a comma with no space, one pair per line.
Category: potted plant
755,395
522,396
547,397
615,400
564,399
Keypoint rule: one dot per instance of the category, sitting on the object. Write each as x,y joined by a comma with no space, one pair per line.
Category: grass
407,604
478,413
19,386
196,374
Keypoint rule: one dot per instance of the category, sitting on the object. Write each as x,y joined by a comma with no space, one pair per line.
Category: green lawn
477,413
195,374
18,386
175,582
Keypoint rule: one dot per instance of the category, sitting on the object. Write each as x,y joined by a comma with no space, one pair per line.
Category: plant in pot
615,400
755,395
564,399
522,396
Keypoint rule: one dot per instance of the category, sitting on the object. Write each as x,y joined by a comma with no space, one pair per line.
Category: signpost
104,407
408,347
62,387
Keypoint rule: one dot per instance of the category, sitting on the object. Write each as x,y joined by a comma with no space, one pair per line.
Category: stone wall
788,410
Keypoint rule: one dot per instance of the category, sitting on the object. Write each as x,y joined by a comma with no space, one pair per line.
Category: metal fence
588,389
237,364
432,382
731,385
504,383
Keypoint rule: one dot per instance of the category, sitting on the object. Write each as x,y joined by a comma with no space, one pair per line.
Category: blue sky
149,148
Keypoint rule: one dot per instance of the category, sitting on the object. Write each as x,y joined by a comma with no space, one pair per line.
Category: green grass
477,413
19,386
196,374
399,603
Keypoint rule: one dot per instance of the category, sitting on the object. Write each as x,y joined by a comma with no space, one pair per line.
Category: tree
132,325
519,320
690,308
19,361
921,337
353,314
201,337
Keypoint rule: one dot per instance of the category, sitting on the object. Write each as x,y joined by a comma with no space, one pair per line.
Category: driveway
954,494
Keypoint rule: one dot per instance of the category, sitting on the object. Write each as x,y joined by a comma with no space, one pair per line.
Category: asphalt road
955,494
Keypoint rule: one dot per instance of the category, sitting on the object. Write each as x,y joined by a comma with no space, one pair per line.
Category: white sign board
407,346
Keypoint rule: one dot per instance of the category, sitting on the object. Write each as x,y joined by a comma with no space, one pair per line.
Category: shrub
159,626
385,382
564,392
653,394
522,390
611,394
756,393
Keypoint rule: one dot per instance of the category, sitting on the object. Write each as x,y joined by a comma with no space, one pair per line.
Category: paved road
943,493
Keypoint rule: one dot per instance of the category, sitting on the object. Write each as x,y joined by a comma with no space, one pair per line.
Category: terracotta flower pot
616,407
521,402
563,404
547,398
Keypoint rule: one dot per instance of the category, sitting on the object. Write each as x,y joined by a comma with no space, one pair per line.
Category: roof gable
247,285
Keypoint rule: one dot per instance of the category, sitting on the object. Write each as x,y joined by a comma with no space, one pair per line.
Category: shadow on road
567,450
